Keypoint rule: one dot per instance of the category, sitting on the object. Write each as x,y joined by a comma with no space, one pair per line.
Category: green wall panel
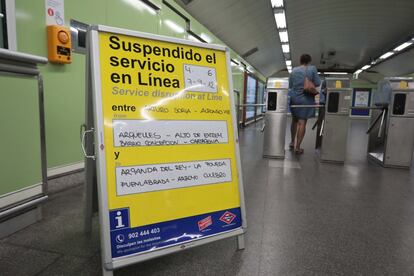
64,110
87,11
167,16
20,163
130,14
64,85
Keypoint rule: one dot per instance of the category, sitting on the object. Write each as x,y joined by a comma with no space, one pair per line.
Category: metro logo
227,217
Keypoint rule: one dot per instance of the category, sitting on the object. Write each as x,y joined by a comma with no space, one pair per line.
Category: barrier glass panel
333,102
272,102
399,104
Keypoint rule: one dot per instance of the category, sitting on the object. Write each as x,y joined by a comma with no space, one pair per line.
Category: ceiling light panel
284,37
277,3
285,48
386,55
403,46
280,19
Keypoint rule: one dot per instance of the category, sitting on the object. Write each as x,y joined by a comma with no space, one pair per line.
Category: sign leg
88,212
107,272
240,242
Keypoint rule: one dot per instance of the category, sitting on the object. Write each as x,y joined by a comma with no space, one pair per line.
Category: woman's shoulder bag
308,86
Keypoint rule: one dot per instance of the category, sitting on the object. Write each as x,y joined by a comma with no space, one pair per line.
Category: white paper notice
157,177
136,133
361,98
200,78
55,12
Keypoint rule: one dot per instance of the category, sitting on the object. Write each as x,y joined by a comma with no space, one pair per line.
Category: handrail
23,206
247,105
306,106
365,108
22,57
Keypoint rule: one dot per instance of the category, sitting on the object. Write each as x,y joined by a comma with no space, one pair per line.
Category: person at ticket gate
300,115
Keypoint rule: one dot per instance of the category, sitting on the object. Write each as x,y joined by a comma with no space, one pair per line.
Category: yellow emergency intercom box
59,44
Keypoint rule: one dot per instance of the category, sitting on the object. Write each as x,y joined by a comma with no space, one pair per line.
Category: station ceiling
339,35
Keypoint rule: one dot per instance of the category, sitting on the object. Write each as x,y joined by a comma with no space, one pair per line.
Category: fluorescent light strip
386,55
277,3
357,72
335,73
403,46
174,26
284,37
280,19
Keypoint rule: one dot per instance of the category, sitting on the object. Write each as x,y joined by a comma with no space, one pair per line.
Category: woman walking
298,79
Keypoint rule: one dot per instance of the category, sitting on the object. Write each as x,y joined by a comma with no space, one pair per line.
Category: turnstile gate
334,127
391,135
275,118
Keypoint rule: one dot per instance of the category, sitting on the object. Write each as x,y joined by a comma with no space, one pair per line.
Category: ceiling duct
250,52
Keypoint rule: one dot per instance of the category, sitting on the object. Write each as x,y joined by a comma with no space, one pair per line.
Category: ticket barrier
391,134
334,128
275,119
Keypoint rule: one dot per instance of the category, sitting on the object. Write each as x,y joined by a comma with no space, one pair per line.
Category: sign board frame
94,83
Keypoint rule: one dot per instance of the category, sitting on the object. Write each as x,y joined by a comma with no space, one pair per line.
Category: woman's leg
293,128
301,129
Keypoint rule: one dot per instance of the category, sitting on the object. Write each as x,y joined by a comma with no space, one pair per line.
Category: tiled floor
304,218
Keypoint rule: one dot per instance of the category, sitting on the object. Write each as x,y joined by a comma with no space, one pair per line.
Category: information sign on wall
55,12
361,98
166,144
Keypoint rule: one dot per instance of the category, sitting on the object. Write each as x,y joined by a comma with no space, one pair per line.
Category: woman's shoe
298,151
291,146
